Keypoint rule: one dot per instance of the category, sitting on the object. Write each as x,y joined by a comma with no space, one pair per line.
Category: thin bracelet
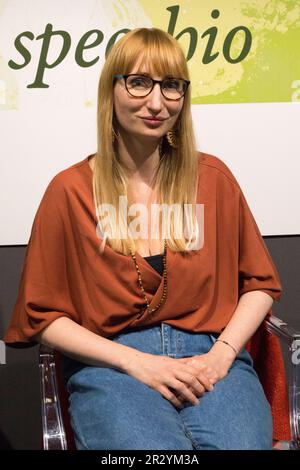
225,342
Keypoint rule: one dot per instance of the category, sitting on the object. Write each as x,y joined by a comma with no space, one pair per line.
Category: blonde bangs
162,55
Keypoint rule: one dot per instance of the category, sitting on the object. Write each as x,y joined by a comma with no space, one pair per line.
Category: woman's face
131,112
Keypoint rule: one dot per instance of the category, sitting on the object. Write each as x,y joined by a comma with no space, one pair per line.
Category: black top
156,261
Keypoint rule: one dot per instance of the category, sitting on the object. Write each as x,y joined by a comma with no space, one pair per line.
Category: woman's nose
155,97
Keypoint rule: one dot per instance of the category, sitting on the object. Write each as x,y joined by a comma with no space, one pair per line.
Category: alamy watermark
139,227
2,352
296,351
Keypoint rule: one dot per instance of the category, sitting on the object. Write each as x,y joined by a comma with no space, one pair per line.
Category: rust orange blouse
64,275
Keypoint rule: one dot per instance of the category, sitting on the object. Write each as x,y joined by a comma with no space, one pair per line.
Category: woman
153,329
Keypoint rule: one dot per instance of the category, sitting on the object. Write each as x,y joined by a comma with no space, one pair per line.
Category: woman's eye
172,84
139,82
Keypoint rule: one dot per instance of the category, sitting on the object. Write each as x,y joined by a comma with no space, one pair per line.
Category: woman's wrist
223,351
228,344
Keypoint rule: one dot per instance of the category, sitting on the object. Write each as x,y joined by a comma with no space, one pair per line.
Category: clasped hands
180,380
208,366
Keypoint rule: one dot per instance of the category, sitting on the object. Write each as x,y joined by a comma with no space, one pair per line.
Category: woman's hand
175,380
215,364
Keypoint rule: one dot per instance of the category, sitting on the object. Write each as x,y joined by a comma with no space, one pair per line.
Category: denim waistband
166,339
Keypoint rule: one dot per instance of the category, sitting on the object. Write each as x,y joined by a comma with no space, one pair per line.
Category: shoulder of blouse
67,177
217,166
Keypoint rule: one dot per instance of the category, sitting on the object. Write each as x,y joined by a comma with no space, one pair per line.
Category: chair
57,431
290,337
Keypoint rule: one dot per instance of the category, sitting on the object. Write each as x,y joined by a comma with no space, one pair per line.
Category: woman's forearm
77,342
251,310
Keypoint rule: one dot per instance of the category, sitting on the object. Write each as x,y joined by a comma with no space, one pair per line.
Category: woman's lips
153,122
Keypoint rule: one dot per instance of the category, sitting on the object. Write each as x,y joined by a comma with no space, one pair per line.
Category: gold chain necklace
165,286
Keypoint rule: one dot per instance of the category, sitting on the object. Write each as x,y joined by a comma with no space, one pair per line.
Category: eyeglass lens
172,88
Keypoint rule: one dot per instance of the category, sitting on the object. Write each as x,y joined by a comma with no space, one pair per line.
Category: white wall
44,131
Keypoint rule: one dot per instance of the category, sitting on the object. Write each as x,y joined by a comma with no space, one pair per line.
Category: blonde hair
176,179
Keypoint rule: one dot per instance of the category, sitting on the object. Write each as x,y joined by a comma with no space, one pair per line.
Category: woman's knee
130,441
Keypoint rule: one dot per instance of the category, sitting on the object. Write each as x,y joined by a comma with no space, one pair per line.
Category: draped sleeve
256,268
43,293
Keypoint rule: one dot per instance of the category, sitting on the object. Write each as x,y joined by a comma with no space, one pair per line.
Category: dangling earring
114,135
172,138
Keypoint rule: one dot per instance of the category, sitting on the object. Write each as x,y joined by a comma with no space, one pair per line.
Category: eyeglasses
142,85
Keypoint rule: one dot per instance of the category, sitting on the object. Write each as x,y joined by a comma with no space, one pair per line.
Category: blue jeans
110,410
